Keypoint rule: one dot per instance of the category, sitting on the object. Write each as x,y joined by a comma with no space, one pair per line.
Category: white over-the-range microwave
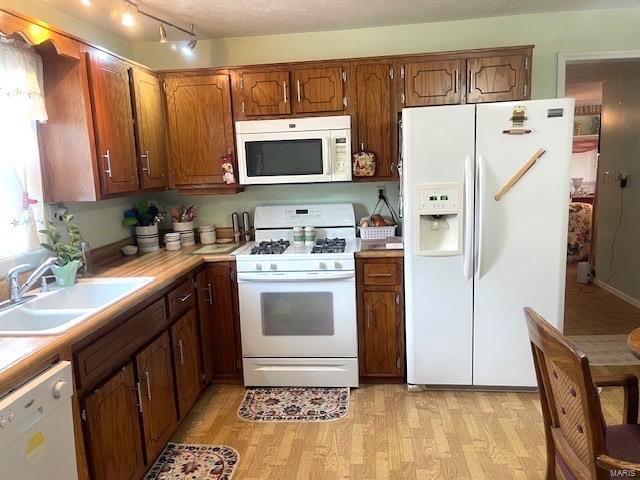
296,150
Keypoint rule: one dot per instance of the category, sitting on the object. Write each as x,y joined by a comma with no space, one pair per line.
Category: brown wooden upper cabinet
375,115
265,93
318,90
113,124
433,83
200,129
150,131
498,78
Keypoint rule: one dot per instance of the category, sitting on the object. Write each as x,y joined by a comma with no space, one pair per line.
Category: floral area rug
183,461
294,404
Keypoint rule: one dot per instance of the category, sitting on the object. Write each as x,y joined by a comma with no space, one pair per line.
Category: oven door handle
295,277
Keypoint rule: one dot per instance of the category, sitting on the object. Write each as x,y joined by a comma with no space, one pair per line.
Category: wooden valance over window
37,35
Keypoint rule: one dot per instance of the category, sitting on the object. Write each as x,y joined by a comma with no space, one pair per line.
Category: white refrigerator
472,261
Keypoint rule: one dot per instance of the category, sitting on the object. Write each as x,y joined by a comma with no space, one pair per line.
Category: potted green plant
68,251
145,217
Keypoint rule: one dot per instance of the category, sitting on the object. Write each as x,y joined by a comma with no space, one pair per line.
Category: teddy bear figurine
228,176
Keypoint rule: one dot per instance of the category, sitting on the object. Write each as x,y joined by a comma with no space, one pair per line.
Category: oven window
284,157
297,313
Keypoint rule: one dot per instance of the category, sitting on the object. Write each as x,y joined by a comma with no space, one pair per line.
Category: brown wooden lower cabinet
157,401
381,342
113,429
186,360
220,322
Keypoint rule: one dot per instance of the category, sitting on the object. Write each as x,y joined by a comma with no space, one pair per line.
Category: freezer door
437,144
521,240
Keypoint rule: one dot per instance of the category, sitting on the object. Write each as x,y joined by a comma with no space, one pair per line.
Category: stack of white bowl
172,241
187,235
207,234
147,239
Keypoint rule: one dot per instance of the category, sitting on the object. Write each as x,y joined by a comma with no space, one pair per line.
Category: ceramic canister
309,235
298,236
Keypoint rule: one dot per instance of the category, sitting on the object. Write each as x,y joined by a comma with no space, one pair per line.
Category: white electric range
298,303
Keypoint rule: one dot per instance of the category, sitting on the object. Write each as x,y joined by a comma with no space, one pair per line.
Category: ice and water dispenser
440,216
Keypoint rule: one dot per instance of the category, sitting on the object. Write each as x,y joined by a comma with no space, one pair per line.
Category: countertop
377,249
21,354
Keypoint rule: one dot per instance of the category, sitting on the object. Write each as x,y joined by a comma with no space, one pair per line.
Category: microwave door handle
327,154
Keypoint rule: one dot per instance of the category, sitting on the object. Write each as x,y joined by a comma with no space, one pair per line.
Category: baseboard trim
614,291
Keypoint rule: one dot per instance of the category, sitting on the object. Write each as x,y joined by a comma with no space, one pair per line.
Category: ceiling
232,18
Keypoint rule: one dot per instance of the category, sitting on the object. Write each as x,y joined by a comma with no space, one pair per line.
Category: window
21,107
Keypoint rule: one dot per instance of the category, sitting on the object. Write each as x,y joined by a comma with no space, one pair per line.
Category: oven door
284,157
301,314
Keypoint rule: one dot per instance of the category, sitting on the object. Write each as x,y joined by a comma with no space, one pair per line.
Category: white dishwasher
36,428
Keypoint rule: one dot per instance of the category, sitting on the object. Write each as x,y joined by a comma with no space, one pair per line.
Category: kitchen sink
58,310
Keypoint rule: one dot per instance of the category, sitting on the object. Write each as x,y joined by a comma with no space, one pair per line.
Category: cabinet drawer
181,299
111,349
381,274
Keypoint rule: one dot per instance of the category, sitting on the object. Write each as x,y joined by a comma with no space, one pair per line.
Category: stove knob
258,266
322,266
274,266
60,388
337,265
3,423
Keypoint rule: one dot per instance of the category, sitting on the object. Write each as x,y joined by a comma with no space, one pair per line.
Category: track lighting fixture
129,10
163,34
193,40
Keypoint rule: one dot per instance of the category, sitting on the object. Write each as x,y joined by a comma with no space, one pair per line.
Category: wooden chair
580,445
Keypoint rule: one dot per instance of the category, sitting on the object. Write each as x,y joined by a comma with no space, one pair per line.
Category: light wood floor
591,310
389,433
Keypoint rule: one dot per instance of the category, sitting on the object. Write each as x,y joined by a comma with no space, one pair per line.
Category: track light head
192,43
163,34
129,10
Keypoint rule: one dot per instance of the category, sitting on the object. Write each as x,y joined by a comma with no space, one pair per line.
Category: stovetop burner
274,247
330,245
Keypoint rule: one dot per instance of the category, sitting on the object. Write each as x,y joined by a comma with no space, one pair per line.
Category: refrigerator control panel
439,217
438,199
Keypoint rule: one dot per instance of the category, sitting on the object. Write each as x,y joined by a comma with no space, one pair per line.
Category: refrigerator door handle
467,262
480,202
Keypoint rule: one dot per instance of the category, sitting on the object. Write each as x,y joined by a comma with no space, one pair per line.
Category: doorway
602,302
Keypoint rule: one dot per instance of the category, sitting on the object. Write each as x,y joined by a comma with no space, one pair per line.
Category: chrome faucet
17,292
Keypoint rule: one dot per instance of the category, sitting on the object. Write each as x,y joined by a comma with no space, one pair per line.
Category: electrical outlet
382,190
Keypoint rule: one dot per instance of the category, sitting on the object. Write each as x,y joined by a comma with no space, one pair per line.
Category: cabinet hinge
242,107
241,82
398,362
397,299
238,363
402,98
164,86
391,73
524,90
526,63
344,76
232,274
204,377
401,72
344,101
83,415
